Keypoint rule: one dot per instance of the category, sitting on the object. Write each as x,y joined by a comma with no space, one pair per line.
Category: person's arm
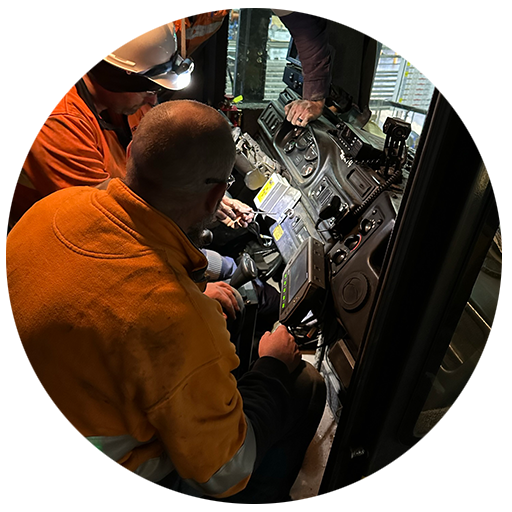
224,294
279,356
216,430
310,36
66,153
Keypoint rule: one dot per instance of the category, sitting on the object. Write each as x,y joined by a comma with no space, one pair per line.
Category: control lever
245,272
205,238
395,149
331,209
334,209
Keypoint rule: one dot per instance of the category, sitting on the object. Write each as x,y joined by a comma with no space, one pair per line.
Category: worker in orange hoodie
107,294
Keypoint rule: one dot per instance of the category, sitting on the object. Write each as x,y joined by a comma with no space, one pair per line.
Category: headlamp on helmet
148,62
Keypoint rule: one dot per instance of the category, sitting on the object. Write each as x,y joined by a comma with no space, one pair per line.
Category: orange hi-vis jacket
200,28
71,149
128,346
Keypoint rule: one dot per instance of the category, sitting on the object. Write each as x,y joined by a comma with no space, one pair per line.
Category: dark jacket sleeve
266,401
310,36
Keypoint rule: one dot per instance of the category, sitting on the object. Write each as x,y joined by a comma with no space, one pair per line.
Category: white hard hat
154,55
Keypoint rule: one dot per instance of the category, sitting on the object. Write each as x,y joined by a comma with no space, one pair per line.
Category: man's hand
281,345
225,295
301,112
234,214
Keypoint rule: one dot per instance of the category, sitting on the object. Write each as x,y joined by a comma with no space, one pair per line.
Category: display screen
303,284
298,274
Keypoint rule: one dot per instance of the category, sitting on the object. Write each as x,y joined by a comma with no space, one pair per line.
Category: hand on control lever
302,112
281,345
224,294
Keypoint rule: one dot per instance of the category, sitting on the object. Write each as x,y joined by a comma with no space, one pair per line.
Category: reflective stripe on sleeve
155,469
232,472
116,447
240,466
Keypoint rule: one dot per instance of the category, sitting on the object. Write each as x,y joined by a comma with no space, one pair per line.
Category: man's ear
214,197
129,150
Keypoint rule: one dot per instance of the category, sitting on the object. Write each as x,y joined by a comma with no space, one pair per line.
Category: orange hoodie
128,346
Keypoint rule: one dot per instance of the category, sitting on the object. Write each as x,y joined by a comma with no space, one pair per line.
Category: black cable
381,188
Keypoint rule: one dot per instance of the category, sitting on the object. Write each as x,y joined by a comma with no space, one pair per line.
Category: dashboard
347,204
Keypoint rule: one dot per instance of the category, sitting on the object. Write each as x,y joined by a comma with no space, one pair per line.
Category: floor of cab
310,476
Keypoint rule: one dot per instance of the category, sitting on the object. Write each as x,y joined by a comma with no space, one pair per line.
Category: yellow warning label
278,232
265,190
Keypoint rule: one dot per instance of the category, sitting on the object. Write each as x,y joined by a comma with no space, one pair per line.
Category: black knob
353,241
302,143
289,146
339,257
366,226
311,154
245,272
353,291
205,238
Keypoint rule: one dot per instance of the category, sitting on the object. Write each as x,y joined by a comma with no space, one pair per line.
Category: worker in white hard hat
153,56
84,140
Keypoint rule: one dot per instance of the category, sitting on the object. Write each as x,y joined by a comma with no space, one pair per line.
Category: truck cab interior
377,223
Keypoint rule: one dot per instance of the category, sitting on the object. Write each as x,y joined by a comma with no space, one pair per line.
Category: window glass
400,90
276,51
232,42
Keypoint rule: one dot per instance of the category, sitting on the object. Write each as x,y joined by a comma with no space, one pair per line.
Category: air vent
324,197
270,120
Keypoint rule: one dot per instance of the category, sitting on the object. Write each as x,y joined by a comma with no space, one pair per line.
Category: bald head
176,148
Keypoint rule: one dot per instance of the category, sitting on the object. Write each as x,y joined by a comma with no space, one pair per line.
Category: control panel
356,143
347,179
296,227
355,263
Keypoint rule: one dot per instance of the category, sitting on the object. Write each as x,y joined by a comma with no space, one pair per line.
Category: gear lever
245,272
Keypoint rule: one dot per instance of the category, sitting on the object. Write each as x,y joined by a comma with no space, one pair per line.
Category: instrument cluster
302,150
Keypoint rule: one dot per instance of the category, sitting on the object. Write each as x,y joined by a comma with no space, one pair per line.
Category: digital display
298,274
303,284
